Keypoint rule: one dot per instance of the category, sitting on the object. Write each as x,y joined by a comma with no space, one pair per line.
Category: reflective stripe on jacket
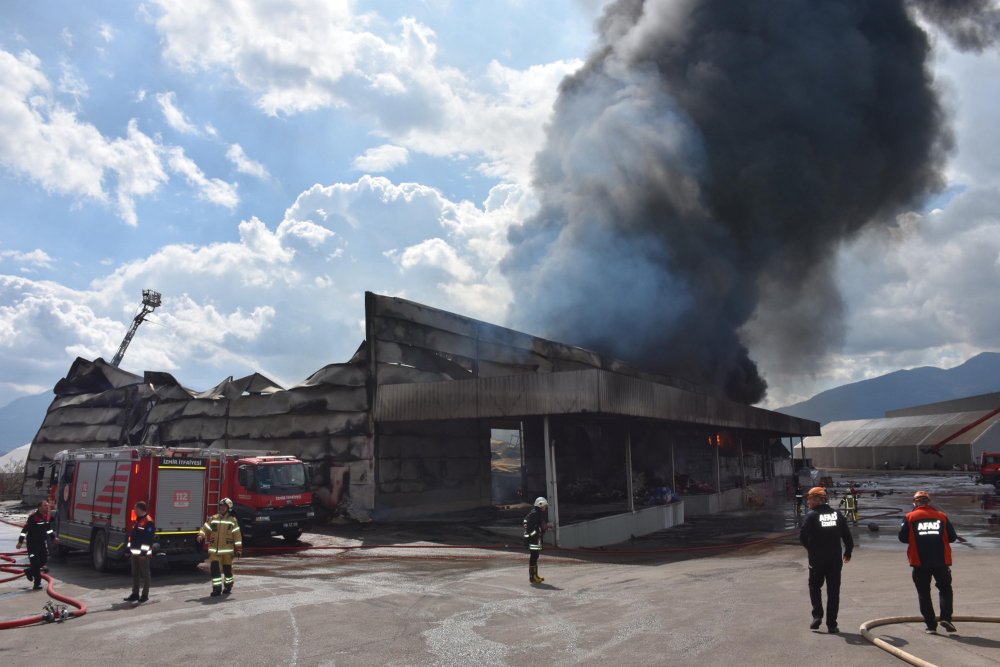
142,536
37,531
222,533
534,529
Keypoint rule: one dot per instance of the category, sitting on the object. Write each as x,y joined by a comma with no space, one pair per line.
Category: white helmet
541,503
227,502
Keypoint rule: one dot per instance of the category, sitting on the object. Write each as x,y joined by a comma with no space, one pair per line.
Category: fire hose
51,612
900,653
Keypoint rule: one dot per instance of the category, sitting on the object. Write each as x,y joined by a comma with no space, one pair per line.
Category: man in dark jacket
823,529
141,537
37,532
929,534
535,525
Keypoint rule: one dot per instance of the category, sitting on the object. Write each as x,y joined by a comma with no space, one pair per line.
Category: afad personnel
823,529
929,534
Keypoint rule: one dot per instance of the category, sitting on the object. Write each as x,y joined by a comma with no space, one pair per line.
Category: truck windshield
991,458
280,477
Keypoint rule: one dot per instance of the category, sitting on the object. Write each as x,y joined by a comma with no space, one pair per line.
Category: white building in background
959,431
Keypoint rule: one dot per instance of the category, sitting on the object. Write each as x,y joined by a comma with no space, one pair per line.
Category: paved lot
437,606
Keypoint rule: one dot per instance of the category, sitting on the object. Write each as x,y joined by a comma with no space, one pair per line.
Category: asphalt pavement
660,600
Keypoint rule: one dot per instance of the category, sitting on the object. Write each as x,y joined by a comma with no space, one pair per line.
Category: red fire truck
271,493
94,490
989,469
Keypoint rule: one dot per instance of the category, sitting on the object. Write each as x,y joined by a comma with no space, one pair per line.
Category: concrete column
550,479
718,473
673,469
743,463
628,469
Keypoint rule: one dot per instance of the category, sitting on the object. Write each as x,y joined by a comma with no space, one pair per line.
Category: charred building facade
438,413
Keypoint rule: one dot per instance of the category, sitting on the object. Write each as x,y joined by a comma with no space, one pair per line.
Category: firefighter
929,534
222,532
140,546
850,503
37,532
822,532
535,525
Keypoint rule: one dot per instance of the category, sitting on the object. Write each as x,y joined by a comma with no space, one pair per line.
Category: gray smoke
710,157
972,25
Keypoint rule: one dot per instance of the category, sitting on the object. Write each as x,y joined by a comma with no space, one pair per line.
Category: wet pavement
684,597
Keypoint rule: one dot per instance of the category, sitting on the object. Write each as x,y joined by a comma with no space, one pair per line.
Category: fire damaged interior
438,413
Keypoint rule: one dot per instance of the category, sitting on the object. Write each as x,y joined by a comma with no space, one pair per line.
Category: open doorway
507,463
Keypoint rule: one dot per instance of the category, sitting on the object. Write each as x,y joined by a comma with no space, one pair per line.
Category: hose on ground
10,567
900,653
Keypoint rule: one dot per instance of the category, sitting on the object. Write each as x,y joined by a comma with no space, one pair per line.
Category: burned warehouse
437,413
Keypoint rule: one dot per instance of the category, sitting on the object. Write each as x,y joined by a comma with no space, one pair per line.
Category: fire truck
989,469
94,492
271,493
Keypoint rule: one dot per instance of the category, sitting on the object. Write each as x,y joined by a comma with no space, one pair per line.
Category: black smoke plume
710,156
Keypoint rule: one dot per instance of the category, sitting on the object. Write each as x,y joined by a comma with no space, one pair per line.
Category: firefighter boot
216,578
533,574
227,571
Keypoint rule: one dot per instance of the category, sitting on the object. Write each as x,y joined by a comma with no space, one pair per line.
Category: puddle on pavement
886,497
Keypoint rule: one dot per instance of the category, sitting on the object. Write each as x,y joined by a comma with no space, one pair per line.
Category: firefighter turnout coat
929,533
222,534
534,529
37,532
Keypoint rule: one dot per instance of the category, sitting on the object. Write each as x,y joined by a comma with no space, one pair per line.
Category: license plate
288,525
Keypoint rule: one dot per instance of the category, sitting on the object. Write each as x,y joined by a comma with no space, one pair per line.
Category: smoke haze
704,165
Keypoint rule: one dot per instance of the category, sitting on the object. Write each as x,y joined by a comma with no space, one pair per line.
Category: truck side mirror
309,474
40,473
241,476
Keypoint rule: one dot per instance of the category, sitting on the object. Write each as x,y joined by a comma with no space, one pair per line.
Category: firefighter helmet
921,496
227,502
816,491
541,503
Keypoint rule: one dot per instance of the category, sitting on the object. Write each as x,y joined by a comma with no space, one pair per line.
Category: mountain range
871,398
21,418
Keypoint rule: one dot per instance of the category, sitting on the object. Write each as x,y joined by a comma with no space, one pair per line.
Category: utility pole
150,301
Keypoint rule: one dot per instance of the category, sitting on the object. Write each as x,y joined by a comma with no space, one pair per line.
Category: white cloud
283,300
49,144
106,32
173,115
35,258
438,254
313,54
381,158
212,190
244,164
70,83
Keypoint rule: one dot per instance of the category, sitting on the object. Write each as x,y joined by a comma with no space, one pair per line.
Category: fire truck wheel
99,551
292,535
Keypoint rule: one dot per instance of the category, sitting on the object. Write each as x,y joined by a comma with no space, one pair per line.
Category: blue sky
262,168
